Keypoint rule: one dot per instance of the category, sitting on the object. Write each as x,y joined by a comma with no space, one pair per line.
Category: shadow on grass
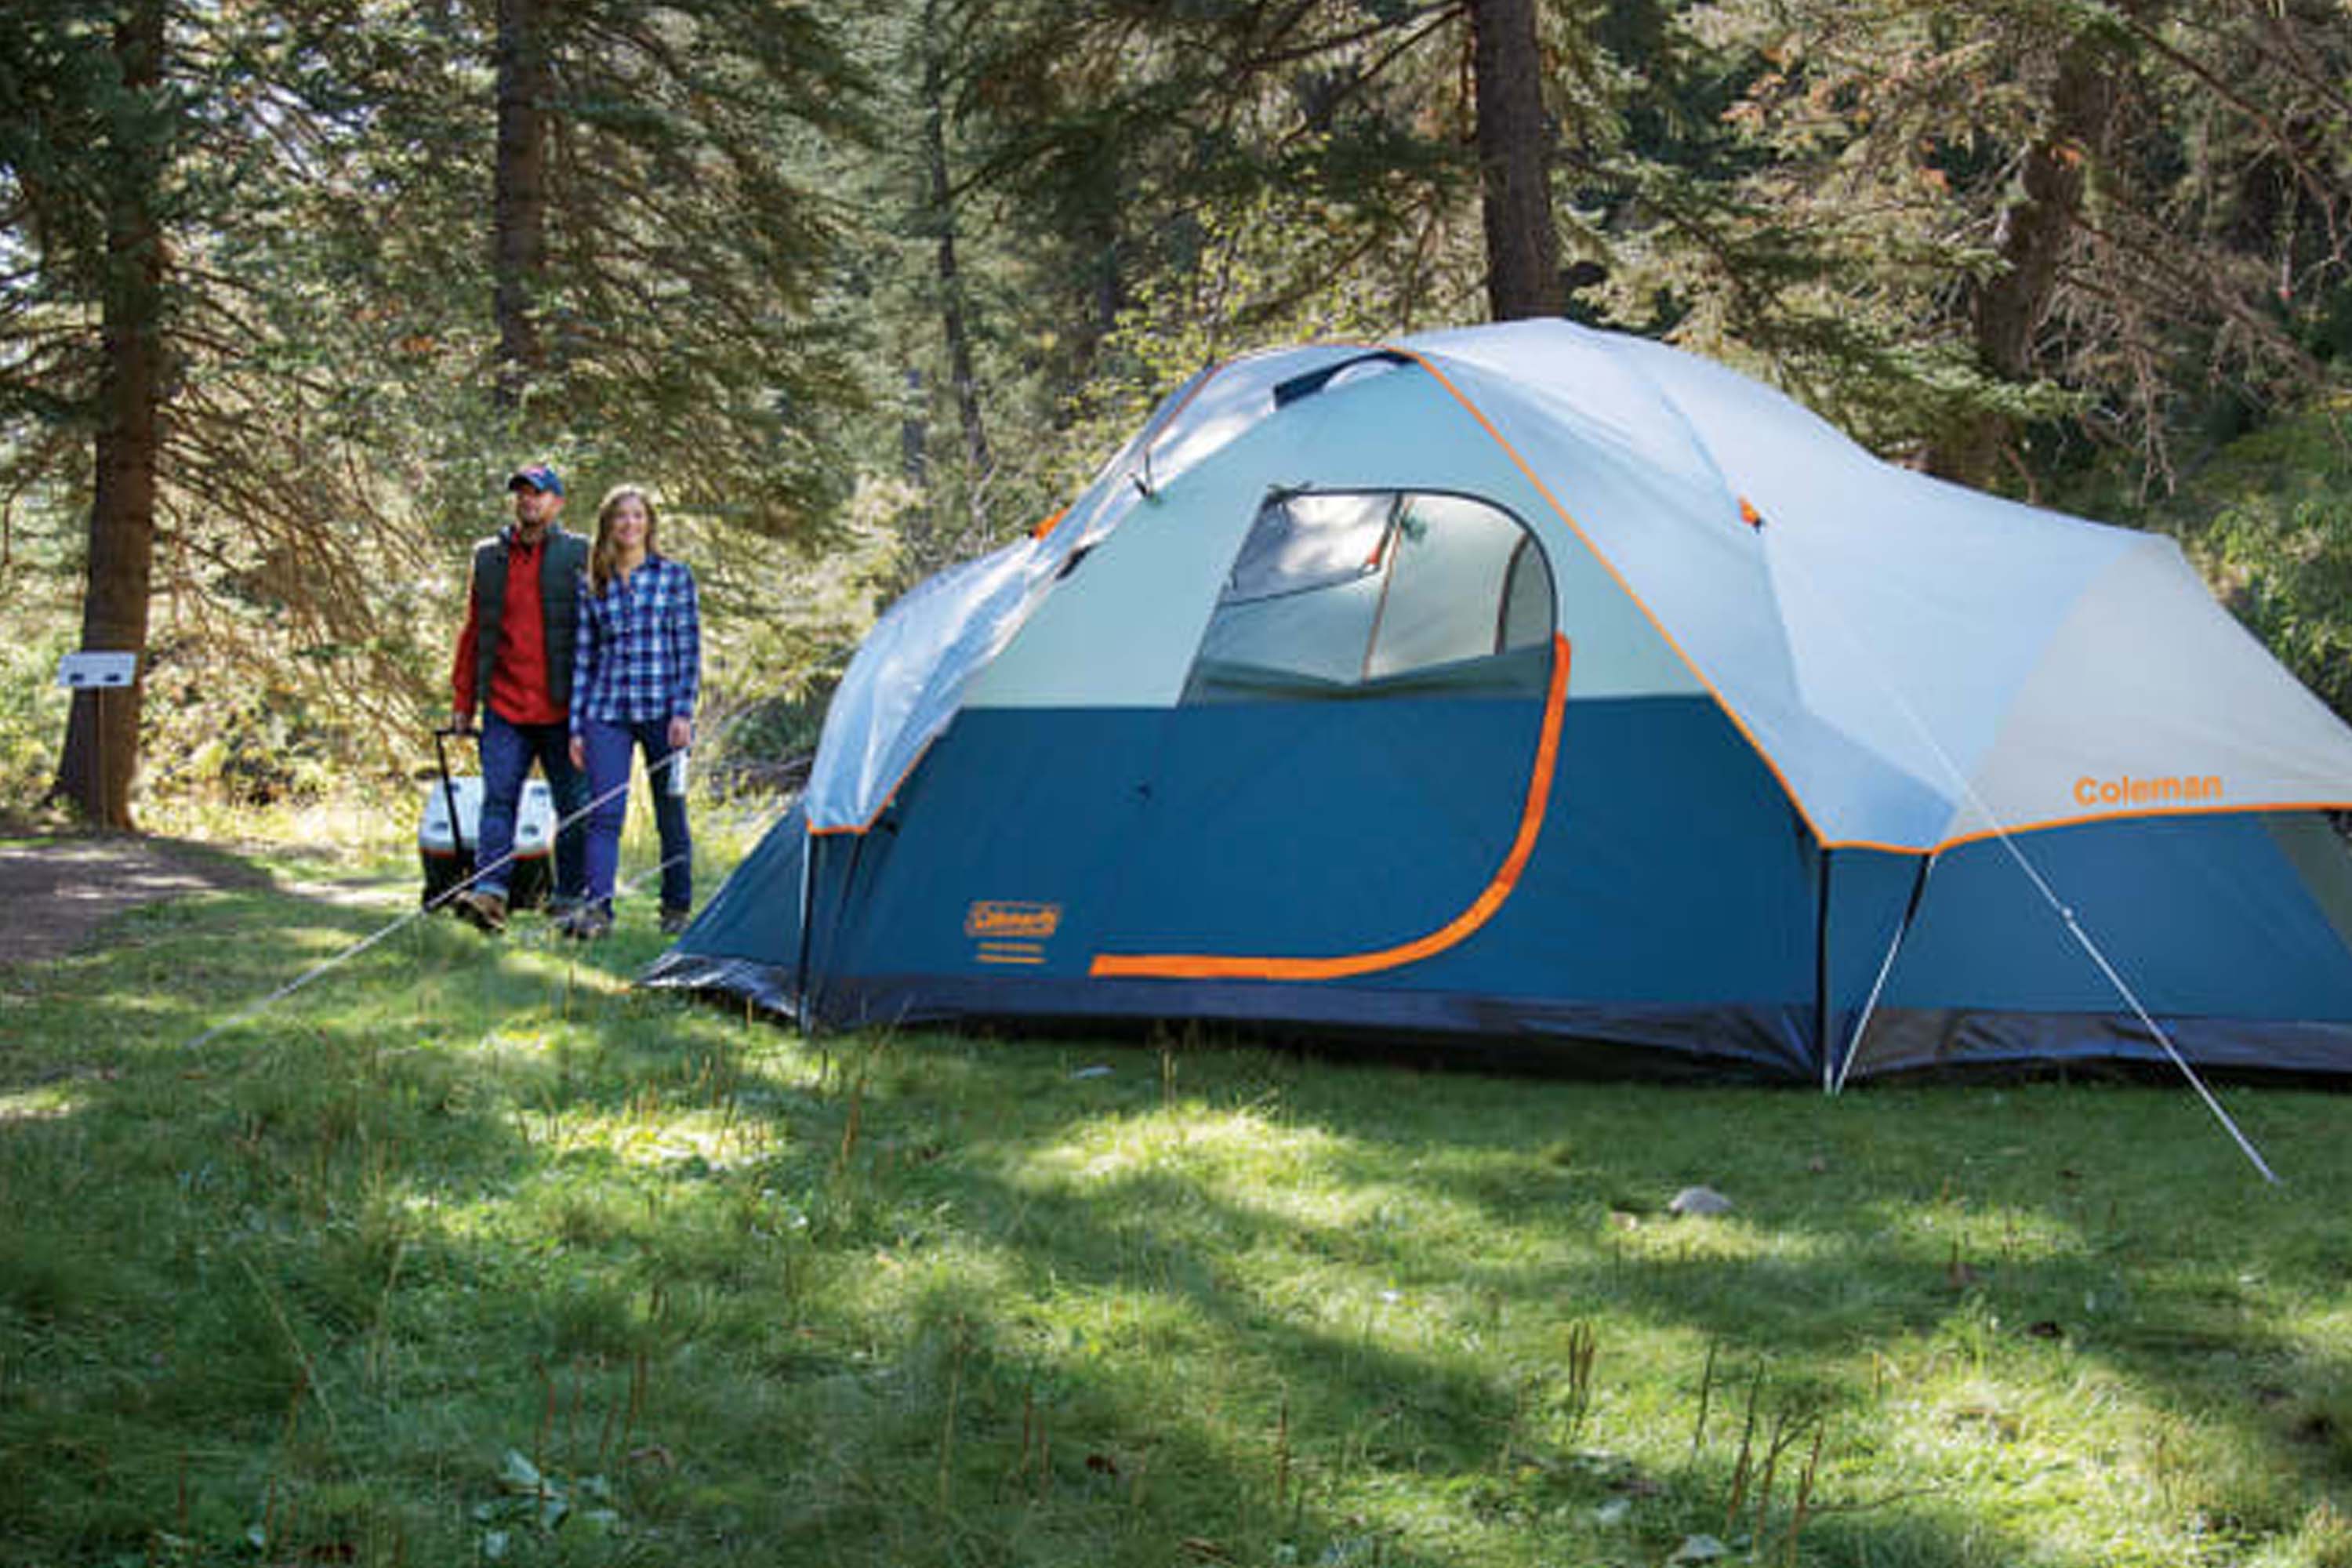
929,1301
1835,1262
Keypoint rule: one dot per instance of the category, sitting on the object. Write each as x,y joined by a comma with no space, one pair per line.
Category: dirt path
55,891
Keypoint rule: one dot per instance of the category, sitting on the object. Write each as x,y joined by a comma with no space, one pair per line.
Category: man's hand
681,733
579,753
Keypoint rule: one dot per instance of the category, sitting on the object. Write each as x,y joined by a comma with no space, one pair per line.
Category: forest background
286,289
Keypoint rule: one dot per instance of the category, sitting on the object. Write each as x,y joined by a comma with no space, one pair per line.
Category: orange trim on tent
1046,527
1749,515
1213,966
1199,386
1040,531
1795,800
856,828
2048,824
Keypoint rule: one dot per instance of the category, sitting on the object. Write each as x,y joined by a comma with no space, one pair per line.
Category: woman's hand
579,753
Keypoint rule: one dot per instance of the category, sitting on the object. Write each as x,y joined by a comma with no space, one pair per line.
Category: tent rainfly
1533,684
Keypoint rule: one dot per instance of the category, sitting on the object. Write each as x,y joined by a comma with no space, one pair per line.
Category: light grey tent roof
1918,663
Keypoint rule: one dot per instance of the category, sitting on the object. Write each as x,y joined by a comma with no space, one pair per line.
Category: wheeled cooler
448,827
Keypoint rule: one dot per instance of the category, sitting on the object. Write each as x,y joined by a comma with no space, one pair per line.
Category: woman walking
638,664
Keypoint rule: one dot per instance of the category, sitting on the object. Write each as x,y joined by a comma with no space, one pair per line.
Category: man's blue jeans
609,748
507,752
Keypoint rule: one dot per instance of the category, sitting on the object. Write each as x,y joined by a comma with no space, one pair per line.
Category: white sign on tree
98,670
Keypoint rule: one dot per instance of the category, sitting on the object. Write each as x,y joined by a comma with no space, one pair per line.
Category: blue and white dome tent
1537,683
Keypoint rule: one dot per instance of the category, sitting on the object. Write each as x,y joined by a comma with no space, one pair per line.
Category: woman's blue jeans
609,748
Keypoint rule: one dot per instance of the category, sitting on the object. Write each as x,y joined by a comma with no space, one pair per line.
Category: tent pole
812,844
1886,967
2001,830
1822,969
840,914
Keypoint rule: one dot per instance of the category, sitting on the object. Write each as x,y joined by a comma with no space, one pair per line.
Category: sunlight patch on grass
1108,1147
701,1142
293,941
591,979
920,1299
352,824
518,1040
48,1102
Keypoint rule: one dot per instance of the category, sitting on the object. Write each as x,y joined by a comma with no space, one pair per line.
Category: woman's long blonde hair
603,557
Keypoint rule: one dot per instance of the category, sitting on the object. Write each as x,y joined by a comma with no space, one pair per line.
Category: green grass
472,1253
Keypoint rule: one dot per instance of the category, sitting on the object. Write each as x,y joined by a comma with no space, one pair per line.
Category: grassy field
471,1253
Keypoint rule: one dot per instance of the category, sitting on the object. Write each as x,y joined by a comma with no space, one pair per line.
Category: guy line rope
328,965
2064,910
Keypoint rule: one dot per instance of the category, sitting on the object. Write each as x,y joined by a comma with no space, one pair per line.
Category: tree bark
102,748
2011,306
1514,162
519,203
914,432
952,322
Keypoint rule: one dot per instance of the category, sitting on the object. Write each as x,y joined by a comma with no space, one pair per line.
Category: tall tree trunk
101,748
1514,162
918,530
914,432
519,203
1099,295
2010,307
953,323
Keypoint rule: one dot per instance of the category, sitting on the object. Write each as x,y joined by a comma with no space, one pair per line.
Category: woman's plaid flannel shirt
638,653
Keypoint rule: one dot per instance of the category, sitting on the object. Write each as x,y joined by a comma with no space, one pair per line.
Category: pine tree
1523,275
259,318
86,153
1984,222
1402,153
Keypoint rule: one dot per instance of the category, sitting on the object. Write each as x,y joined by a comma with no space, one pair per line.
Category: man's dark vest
561,559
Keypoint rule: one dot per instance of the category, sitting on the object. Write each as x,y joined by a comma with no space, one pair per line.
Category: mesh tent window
1366,593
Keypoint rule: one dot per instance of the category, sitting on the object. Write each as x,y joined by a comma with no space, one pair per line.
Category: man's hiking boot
484,912
588,922
675,920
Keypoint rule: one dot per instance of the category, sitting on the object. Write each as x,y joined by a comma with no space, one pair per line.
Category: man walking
514,663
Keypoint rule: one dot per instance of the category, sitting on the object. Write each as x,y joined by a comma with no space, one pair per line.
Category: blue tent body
1537,685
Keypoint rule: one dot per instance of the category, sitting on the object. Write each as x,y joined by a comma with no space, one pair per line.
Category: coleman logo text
2196,789
1035,922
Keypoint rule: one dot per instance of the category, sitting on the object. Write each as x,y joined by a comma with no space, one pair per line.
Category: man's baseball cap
538,476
